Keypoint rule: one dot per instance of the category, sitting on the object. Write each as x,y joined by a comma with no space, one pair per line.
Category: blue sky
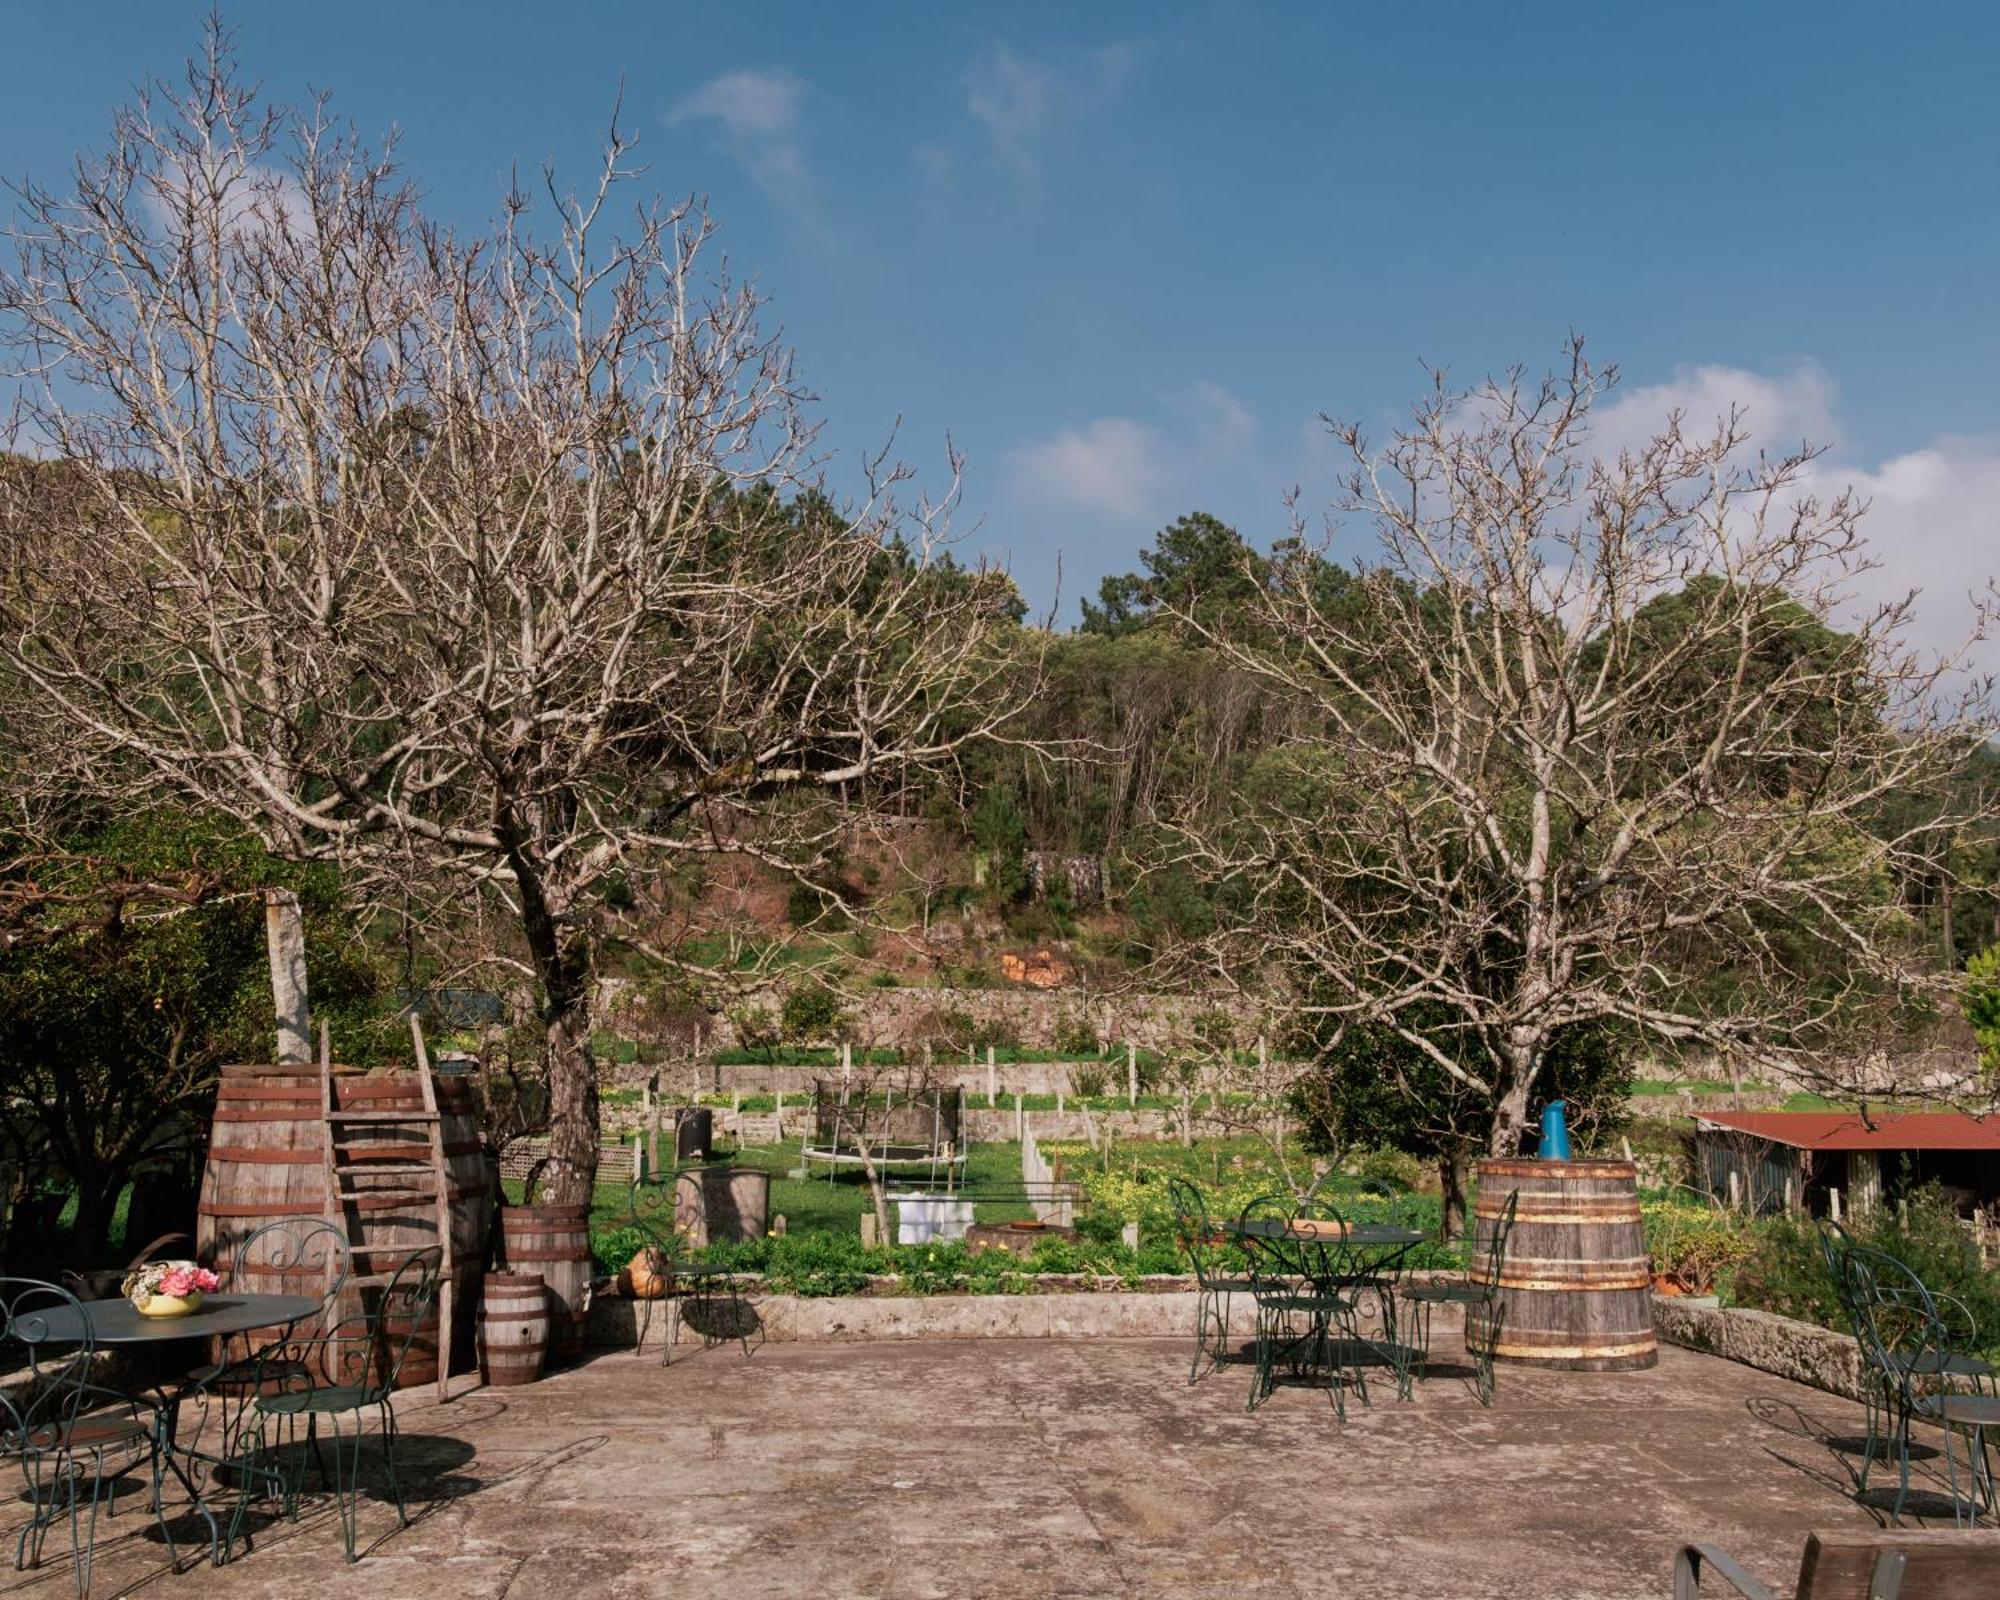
1125,254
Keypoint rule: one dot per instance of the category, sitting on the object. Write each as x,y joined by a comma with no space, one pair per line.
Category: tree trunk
571,1175
1451,1176
96,1202
1510,1117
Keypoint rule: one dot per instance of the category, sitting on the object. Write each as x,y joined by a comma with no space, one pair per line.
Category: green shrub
613,1249
812,1013
1401,1171
1076,1036
1695,1247
1089,1080
1785,1273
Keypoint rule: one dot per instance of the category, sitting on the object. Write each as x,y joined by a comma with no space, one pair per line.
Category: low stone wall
1162,1308
1801,1351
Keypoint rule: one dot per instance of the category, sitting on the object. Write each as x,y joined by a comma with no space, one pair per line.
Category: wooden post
1020,1120
638,1159
1864,1181
1131,1073
992,1079
1833,1202
285,938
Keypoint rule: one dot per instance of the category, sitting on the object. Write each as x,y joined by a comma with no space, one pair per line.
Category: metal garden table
1333,1260
118,1322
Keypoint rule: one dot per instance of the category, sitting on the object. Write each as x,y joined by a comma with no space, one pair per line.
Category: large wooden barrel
1575,1289
553,1241
267,1160
513,1328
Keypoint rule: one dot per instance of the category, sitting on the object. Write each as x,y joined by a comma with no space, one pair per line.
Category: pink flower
206,1281
179,1283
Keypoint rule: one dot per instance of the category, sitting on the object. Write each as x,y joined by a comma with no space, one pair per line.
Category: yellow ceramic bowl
170,1305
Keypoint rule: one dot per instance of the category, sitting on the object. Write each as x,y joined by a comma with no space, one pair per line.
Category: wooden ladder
417,1165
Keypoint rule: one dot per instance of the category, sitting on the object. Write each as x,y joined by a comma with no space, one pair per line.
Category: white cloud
1933,520
251,198
1014,99
1223,424
1779,412
1138,470
759,116
1019,100
1112,465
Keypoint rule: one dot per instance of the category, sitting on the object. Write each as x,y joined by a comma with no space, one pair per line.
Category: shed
1828,1161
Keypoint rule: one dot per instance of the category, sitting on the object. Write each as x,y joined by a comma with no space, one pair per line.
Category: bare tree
1580,746
494,565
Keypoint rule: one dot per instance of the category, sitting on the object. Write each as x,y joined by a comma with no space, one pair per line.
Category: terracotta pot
647,1276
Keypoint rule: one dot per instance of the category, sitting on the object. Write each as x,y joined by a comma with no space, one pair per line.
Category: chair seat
1443,1294
240,1378
1305,1302
322,1400
1972,1410
1934,1363
89,1433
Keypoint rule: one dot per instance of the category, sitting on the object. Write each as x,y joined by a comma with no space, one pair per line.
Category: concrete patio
1054,1467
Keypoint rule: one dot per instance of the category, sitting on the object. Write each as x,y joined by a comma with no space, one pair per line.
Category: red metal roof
1844,1130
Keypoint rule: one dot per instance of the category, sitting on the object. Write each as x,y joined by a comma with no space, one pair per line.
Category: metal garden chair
1913,1345
72,1439
1301,1323
292,1248
1198,1241
347,1369
1478,1293
702,1285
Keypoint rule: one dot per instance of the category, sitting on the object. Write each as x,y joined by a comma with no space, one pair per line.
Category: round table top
1365,1233
118,1321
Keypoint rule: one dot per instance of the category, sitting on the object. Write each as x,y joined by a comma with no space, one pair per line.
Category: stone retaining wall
1165,1308
1801,1351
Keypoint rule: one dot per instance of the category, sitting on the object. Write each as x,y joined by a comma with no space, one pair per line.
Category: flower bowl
168,1288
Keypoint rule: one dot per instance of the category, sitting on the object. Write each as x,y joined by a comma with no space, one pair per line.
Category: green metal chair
1478,1294
1199,1242
281,1252
700,1285
348,1369
1913,1347
74,1441
1301,1324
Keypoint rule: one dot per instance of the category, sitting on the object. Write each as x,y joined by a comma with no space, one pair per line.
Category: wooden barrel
267,1160
553,1241
513,1328
1575,1288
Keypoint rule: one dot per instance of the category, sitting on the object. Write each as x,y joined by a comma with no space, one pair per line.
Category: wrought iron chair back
1898,1321
1485,1274
293,1253
1835,1242
69,1436
55,1390
1488,1271
365,1350
1193,1231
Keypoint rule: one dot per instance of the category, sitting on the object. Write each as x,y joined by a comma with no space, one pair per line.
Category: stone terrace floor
1050,1467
